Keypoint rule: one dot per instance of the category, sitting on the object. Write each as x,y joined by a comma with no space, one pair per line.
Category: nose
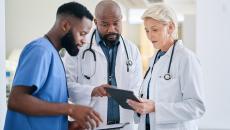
83,41
151,36
111,28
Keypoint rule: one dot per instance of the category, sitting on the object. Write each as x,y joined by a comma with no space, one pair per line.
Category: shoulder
38,47
185,54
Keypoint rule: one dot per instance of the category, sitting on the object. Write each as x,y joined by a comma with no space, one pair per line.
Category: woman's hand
143,107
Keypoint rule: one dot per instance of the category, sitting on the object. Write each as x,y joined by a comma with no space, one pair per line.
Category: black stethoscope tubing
128,62
167,76
90,48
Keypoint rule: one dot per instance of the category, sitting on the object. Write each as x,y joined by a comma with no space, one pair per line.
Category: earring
64,29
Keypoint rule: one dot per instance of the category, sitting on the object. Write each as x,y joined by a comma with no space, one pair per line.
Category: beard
68,42
109,41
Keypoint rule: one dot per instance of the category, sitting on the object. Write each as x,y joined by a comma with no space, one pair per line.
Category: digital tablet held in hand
121,96
113,126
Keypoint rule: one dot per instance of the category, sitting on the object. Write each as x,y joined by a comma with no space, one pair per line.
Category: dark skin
21,99
108,20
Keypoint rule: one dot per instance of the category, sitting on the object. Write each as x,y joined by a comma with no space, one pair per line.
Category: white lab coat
179,101
80,88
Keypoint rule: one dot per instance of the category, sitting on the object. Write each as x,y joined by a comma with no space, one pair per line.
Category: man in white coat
108,61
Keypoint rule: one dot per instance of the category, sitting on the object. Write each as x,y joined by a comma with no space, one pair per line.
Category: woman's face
157,32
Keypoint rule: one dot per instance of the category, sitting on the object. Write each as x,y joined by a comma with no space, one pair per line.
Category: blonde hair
163,13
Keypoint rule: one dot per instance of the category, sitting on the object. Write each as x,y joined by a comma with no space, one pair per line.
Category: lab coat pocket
169,90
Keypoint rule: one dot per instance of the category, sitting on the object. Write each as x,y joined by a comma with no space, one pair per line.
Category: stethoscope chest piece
129,63
167,76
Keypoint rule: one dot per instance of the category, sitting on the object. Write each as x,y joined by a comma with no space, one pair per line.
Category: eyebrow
116,20
153,26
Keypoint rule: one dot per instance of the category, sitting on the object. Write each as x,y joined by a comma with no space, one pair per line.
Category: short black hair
74,9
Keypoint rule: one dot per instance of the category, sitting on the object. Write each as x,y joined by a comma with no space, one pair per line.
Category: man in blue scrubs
38,100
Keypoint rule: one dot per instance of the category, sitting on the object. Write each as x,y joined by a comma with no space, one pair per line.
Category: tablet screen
121,96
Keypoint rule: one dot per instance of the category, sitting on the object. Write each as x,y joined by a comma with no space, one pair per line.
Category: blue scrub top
40,65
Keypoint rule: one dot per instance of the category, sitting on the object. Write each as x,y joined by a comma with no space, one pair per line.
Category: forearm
22,100
31,105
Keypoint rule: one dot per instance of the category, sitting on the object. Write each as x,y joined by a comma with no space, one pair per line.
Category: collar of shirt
97,37
161,53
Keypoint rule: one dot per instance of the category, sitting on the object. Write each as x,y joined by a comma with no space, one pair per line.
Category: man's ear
65,26
95,21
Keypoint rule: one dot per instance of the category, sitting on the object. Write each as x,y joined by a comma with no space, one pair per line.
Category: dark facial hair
68,43
108,42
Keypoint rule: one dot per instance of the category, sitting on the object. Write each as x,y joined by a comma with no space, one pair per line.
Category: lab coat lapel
163,61
148,74
161,67
120,62
97,48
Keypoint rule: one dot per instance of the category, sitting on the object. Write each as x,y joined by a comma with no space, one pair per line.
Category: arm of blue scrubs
33,67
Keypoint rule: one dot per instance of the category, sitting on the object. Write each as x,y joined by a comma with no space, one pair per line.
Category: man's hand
73,125
21,100
144,107
100,91
84,116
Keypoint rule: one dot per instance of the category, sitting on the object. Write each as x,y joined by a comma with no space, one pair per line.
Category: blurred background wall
213,45
204,27
2,64
29,19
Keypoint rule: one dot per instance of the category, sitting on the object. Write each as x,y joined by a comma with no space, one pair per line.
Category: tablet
121,96
113,126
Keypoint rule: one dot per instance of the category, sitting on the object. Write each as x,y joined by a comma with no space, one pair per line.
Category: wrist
154,108
69,109
93,92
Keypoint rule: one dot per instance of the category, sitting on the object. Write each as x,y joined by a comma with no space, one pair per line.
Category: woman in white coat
172,96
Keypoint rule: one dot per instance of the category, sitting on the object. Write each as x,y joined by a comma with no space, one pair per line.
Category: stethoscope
129,62
166,76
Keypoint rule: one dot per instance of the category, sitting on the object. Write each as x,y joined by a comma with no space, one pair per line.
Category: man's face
109,28
75,37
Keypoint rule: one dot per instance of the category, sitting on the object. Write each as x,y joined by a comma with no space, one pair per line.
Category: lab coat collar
169,52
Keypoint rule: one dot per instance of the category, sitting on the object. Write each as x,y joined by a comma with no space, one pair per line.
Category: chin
155,45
